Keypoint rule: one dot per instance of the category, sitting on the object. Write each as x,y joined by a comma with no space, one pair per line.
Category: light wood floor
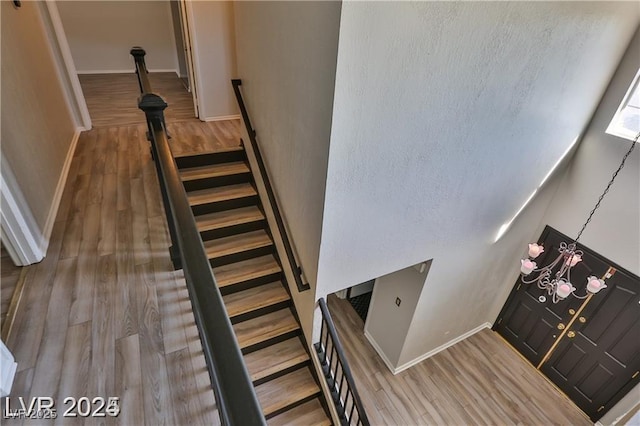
104,314
112,98
477,381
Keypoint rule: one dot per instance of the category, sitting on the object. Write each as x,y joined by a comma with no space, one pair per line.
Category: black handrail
234,392
337,373
297,270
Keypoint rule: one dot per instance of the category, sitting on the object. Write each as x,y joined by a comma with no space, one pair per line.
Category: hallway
104,314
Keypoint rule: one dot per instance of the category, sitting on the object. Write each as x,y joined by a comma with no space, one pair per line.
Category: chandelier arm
615,174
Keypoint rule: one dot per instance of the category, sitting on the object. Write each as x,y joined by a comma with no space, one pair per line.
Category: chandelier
559,285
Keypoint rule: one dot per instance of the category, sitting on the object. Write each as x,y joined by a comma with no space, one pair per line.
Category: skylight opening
626,121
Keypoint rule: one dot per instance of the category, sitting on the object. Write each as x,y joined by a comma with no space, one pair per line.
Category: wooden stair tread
237,243
218,150
214,170
220,193
274,358
223,219
309,414
245,270
286,390
255,298
265,327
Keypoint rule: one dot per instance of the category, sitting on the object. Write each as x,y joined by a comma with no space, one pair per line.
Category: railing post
138,54
153,107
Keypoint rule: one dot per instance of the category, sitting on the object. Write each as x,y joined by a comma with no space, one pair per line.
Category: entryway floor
480,380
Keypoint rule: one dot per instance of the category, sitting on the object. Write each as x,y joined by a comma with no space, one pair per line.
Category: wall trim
442,347
70,68
20,233
62,181
382,355
396,370
222,118
8,368
126,71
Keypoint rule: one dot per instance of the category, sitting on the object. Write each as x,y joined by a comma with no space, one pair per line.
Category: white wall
614,231
38,128
286,59
387,323
213,46
101,33
446,117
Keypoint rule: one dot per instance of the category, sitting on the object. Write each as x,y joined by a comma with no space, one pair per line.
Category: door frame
60,39
186,14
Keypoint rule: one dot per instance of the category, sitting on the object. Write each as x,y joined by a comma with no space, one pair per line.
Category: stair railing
337,373
235,395
297,270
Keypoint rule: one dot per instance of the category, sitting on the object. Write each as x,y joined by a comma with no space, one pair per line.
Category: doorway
359,296
588,348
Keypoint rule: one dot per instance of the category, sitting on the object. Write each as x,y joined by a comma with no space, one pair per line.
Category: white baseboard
53,211
396,370
123,71
222,118
380,352
8,367
442,347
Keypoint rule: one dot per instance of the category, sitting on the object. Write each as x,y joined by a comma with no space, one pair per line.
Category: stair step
236,244
227,218
220,155
275,358
221,193
214,170
265,327
255,298
309,414
284,391
246,270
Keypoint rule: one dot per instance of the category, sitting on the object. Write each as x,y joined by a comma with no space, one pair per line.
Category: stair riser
194,185
291,406
272,341
208,159
224,205
233,230
244,255
245,285
302,364
259,312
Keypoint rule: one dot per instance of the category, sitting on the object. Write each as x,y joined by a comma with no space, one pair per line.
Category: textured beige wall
37,126
101,33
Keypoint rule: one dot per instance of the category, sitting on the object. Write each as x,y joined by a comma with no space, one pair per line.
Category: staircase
239,245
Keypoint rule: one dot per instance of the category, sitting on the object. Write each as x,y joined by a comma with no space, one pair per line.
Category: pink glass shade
594,284
575,259
564,289
535,250
527,266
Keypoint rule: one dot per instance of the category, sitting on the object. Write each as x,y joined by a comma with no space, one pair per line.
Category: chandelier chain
615,174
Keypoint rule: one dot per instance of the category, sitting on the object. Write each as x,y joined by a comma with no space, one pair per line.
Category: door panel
531,326
596,365
609,339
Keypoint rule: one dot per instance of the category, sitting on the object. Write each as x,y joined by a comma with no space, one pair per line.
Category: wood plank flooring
104,314
479,381
112,98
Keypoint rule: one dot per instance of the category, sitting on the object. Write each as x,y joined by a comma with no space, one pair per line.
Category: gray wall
614,231
286,54
446,117
37,124
388,324
101,33
177,33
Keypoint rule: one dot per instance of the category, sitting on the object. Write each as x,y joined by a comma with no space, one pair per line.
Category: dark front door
601,354
594,361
